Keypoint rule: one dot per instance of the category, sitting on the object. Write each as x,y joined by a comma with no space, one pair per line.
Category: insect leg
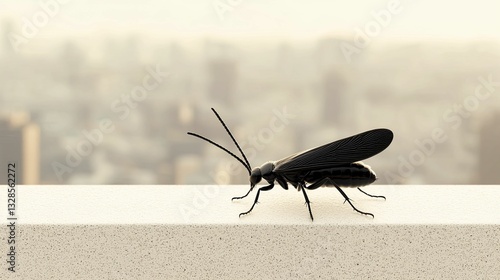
308,203
312,186
266,188
371,195
240,197
348,200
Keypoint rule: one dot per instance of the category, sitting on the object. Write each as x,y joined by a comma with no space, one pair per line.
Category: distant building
20,144
222,73
334,105
329,53
489,152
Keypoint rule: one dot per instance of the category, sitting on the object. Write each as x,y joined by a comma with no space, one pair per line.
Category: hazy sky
448,19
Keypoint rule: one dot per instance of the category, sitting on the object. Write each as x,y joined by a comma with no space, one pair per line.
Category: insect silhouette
334,164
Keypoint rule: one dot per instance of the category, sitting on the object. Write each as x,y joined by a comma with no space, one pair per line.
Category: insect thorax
267,171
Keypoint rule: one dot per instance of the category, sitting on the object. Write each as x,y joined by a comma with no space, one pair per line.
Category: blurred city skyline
112,100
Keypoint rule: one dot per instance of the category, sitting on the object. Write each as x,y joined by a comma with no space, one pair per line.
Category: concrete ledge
182,232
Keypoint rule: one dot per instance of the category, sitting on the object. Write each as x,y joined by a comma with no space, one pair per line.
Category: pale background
79,103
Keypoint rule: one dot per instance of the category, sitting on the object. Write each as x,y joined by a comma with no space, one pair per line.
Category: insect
334,164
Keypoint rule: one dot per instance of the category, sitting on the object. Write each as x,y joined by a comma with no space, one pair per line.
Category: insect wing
347,150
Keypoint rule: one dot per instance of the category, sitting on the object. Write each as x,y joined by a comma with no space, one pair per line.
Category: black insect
334,164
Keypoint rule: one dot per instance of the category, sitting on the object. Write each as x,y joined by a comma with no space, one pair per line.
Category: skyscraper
489,154
20,144
334,91
222,79
222,70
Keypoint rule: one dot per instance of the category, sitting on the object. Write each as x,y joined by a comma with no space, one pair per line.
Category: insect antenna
220,147
234,140
247,164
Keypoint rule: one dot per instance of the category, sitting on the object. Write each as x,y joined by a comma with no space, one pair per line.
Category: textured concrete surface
193,232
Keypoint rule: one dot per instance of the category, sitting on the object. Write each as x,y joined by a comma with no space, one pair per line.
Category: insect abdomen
354,174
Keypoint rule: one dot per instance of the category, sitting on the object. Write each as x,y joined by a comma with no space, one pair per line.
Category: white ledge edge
167,204
141,232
